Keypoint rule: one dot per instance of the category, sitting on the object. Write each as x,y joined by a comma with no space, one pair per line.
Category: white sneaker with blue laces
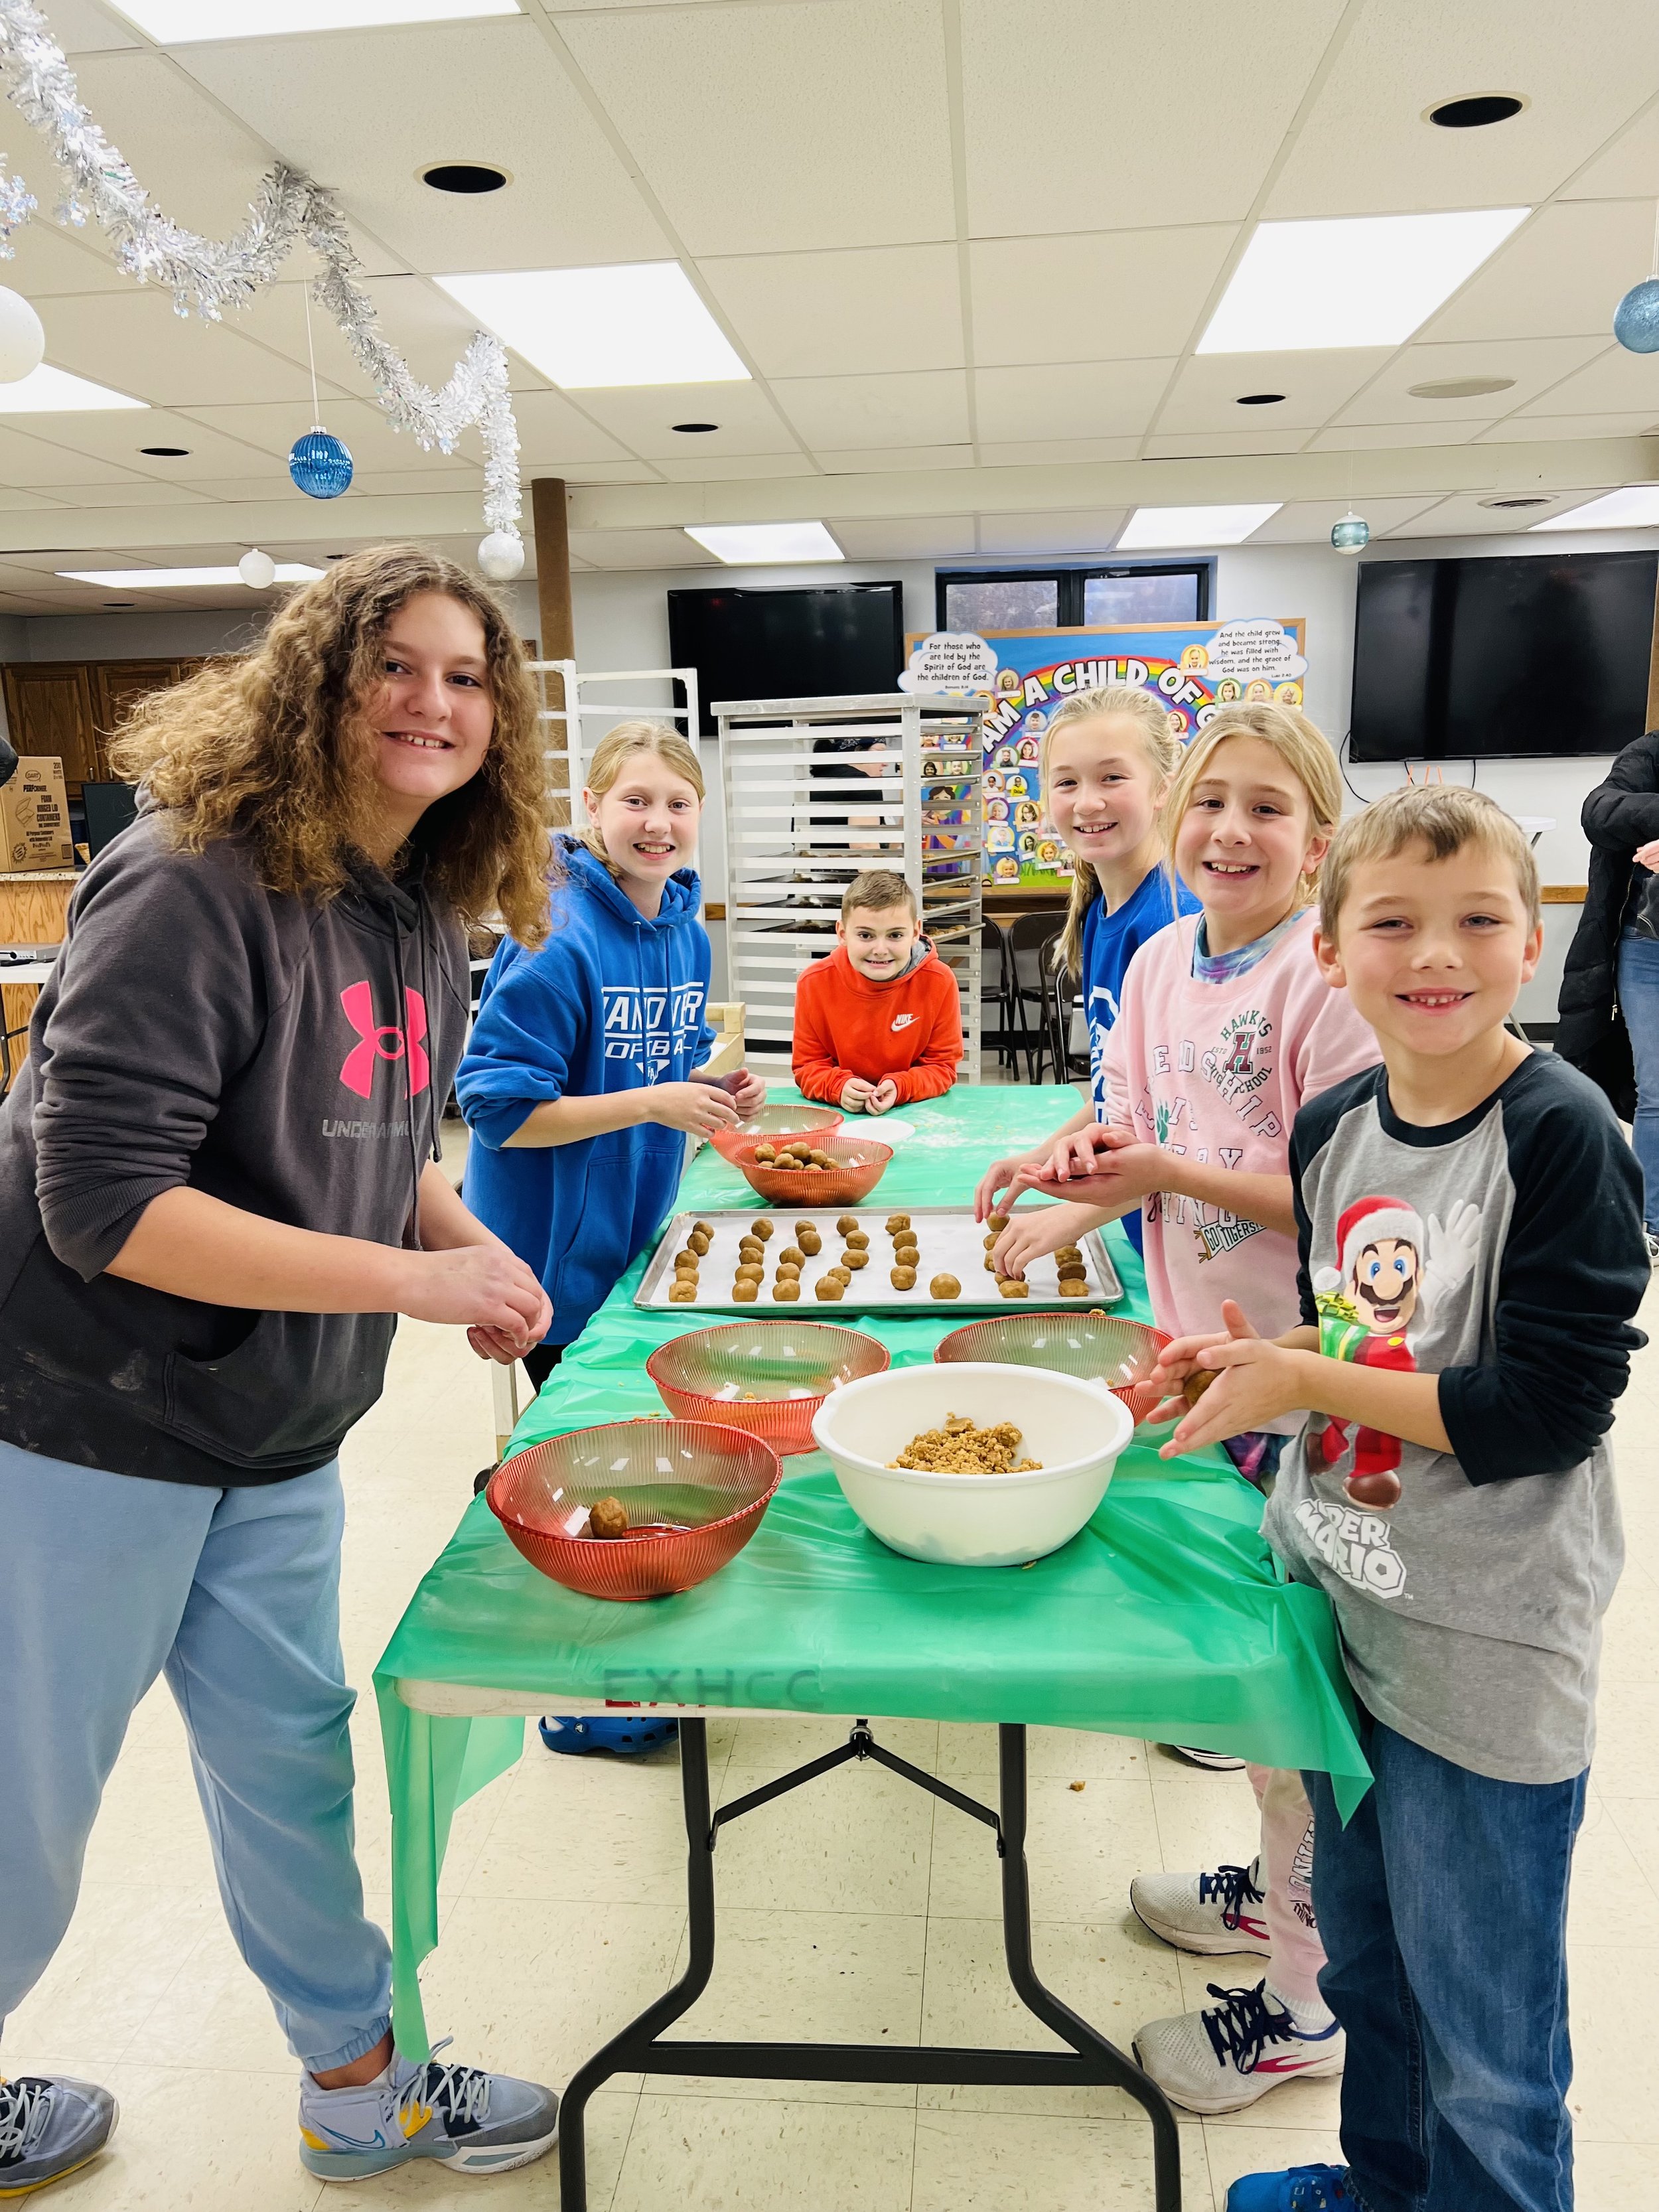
1225,2057
475,2122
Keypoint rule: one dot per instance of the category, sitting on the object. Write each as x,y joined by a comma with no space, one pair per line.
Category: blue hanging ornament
319,463
1351,533
1636,318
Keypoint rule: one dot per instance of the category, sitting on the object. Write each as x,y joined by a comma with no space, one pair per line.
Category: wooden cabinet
70,708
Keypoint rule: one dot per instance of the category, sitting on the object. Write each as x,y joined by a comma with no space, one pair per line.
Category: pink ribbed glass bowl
1096,1347
767,1377
698,1487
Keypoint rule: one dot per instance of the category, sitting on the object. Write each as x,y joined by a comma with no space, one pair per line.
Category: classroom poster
1191,668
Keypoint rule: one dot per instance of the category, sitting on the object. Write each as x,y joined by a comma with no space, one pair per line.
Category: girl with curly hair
217,1192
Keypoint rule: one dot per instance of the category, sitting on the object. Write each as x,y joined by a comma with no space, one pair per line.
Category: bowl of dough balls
809,1170
768,1377
973,1465
635,1509
1100,1347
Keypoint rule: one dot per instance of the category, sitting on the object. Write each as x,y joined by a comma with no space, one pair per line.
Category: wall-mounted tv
748,642
1520,657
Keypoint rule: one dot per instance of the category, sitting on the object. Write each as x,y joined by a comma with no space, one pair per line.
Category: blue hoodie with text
610,1002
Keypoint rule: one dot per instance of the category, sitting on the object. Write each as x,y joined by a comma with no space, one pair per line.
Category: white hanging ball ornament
501,555
22,340
1351,534
256,570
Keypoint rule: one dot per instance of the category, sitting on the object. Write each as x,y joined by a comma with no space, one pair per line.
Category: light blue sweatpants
104,1581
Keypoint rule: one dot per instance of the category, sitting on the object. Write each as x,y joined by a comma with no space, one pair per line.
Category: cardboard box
35,824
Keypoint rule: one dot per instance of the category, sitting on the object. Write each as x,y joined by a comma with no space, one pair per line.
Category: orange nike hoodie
845,1026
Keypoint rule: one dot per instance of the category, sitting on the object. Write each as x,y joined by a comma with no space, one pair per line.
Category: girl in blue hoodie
578,1084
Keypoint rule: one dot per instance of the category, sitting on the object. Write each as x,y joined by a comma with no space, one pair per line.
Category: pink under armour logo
383,1041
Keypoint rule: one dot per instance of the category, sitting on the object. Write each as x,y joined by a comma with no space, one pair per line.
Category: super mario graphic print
1391,1273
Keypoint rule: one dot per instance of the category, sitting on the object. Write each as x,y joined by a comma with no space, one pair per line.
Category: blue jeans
107,1580
1443,1906
1638,1002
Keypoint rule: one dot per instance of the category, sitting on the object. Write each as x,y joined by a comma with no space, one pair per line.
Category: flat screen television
807,643
1520,657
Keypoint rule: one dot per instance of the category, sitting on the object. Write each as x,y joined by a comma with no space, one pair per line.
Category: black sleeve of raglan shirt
1575,1269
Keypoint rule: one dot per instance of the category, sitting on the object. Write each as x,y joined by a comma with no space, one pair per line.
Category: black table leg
1090,2061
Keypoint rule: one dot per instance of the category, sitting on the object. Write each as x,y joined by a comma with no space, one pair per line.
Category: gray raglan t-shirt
1504,1253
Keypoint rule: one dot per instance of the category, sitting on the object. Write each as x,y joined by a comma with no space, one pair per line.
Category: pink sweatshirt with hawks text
1218,1070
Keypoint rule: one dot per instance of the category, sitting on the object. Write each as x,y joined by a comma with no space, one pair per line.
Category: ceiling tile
48,259
1095,296
1366,150
1069,106
641,416
551,429
81,27
942,537
132,495
488,90
117,437
1047,452
427,327
1626,169
199,167
1461,515
1614,382
1094,532
1207,390
781,129
133,341
691,467
1308,522
594,472
1535,364
832,413
369,437
892,460
1073,399
1380,437
859,311
1529,428
15,500
28,461
1217,445
1560,276
641,549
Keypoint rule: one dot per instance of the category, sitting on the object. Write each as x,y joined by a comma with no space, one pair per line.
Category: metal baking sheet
951,1242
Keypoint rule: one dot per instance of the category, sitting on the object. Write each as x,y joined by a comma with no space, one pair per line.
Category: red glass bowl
1096,1347
860,1163
698,1487
768,1377
788,1118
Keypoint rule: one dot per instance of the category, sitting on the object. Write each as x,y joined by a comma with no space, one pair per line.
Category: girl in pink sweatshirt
1225,1027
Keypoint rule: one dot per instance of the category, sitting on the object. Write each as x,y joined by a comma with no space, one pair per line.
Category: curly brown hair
270,746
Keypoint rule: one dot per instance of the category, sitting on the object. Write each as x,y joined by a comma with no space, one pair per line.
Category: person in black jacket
218,1189
1609,1005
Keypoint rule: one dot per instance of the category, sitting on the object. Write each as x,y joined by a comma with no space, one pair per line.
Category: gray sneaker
475,2122
50,2125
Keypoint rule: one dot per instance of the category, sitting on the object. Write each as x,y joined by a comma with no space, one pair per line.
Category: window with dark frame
980,600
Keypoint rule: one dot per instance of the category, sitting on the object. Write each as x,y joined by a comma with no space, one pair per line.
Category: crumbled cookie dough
959,1447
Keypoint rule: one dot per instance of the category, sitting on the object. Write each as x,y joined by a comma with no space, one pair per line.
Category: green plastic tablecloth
1166,1617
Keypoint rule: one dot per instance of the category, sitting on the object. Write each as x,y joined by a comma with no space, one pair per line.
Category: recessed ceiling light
1193,525
1350,281
1634,508
745,545
1536,499
693,429
181,580
167,452
1460,387
1474,112
464,177
120,602
180,22
47,391
1260,399
642,323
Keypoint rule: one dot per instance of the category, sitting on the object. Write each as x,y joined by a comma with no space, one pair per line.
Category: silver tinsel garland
210,277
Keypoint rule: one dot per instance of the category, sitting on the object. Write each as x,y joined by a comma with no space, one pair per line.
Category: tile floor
866,1909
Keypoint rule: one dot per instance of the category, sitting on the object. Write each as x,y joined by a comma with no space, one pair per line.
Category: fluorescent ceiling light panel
48,390
745,544
182,580
642,323
1352,281
1635,507
182,22
1193,526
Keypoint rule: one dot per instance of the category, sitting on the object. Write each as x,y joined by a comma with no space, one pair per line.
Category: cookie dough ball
829,1289
990,1265
765,1155
809,1241
684,1291
608,1518
785,1288
993,1240
945,1286
896,1222
997,1222
685,1263
1198,1382
906,1252
1074,1286
841,1275
707,1227
788,1274
750,1272
904,1278
761,1227
821,1159
802,1229
852,1257
698,1242
791,1255
1068,1251
847,1223
744,1294
1012,1287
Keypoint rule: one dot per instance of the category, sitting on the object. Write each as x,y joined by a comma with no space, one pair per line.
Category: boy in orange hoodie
879,1022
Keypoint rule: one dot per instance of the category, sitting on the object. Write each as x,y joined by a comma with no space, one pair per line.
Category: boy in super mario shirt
879,1022
1471,1204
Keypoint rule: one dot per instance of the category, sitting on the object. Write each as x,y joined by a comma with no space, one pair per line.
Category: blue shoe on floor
624,1732
1293,2189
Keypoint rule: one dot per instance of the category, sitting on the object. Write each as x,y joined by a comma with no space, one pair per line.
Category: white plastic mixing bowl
1075,1428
